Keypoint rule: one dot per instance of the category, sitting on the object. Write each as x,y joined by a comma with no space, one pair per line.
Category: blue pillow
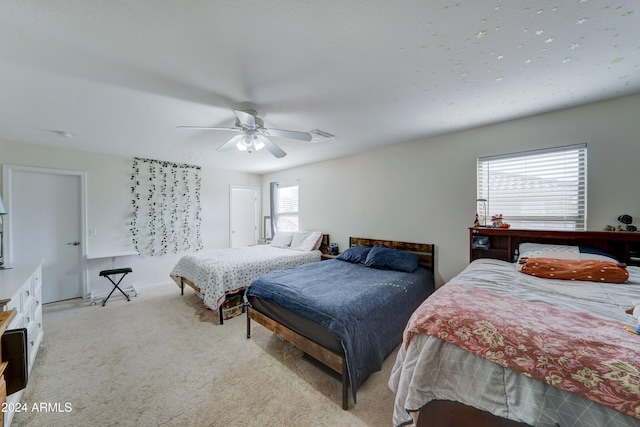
385,258
356,254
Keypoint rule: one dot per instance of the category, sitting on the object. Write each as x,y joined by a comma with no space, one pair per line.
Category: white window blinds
542,189
284,206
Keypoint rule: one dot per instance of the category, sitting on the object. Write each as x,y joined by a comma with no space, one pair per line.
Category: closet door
46,224
244,216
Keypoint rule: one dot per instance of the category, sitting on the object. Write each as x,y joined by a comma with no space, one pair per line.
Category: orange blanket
567,269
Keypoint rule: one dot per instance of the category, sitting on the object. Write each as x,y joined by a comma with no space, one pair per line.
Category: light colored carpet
159,360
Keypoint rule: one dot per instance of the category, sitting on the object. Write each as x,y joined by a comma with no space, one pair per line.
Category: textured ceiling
120,75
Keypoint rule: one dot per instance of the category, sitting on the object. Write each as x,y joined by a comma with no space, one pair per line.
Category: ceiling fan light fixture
244,144
257,142
250,143
254,136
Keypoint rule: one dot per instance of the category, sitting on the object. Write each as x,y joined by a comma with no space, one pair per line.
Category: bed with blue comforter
354,306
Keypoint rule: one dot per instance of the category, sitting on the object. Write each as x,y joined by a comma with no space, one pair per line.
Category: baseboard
135,288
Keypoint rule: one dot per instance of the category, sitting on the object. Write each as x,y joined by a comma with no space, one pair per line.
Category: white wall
425,191
421,191
109,208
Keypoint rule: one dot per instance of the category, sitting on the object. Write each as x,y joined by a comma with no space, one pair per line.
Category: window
542,189
284,206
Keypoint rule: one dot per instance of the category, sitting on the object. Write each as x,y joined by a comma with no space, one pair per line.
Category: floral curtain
166,207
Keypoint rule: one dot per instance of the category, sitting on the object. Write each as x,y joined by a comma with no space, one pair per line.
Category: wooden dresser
21,292
5,320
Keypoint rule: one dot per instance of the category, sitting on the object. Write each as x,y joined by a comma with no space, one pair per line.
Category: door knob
76,243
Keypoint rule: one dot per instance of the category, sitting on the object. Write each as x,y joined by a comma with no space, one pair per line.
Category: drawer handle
28,293
28,319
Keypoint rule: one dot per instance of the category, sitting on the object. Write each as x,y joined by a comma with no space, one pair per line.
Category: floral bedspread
574,351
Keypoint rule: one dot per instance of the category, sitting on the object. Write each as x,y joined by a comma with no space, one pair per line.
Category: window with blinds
542,189
284,206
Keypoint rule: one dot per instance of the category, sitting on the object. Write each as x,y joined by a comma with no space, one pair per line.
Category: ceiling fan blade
291,134
209,128
230,143
272,147
245,118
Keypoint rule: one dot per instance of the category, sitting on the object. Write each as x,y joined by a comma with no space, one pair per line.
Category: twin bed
496,346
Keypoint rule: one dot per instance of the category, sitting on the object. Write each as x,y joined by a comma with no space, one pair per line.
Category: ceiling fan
253,134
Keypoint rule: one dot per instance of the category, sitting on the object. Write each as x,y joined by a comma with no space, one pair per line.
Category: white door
244,216
46,223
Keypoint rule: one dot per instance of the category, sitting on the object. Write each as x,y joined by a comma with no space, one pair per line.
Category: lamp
484,211
3,210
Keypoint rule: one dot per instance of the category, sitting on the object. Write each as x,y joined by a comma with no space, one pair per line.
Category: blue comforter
366,308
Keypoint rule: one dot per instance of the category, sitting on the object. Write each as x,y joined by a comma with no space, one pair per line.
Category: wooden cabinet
503,242
5,320
21,291
3,390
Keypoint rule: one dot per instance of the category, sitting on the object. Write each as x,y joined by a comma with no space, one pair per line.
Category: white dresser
21,290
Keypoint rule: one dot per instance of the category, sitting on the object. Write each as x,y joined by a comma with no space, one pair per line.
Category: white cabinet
21,290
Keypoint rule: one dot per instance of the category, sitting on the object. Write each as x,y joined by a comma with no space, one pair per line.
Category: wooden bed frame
337,362
503,244
184,281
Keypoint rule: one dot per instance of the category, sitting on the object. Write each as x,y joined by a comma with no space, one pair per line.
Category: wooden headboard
624,245
423,250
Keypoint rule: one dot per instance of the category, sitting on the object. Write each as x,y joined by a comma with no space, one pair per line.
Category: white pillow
282,239
541,250
306,240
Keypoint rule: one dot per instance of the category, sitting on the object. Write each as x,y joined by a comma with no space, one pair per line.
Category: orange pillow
590,270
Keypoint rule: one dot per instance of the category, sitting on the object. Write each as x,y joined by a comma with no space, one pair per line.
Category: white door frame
257,212
7,184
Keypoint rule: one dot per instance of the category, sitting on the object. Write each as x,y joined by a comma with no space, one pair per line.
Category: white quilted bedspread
219,271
